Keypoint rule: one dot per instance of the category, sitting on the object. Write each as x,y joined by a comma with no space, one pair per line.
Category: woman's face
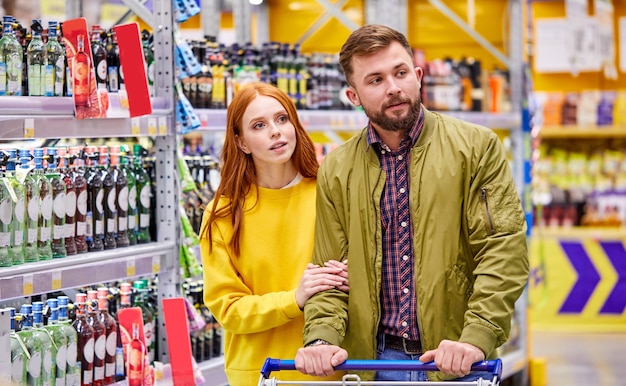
267,133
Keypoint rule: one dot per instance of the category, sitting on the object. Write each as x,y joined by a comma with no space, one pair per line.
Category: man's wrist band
317,342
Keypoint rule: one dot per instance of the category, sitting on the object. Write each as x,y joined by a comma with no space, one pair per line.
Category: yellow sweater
253,296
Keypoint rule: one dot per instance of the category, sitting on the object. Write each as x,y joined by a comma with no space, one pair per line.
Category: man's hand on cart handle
454,358
320,360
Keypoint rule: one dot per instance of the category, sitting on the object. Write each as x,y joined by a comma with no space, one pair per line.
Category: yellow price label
57,284
162,125
27,285
156,264
152,126
130,267
29,128
135,126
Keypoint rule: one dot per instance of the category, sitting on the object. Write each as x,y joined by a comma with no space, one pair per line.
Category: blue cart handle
492,366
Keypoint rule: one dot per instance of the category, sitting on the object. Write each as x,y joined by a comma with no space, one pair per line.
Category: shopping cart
492,366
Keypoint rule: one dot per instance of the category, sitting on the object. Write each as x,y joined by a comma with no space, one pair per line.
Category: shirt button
405,335
402,190
382,152
399,158
405,257
406,290
404,324
403,224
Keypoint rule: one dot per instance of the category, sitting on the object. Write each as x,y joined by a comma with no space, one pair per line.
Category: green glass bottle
144,195
72,369
55,69
44,243
59,203
19,358
6,221
31,192
7,29
37,60
19,210
132,197
34,345
140,299
110,198
55,330
48,371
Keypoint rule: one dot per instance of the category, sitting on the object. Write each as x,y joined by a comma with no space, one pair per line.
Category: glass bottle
111,334
34,345
70,202
72,370
132,198
59,200
141,300
95,197
6,37
31,190
19,357
14,59
44,244
49,358
144,194
149,58
135,358
17,237
6,221
110,198
86,340
121,201
99,330
80,71
99,57
77,174
55,330
37,60
125,302
113,63
55,69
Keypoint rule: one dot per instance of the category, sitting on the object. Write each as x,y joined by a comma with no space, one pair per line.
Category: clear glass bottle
19,209
55,330
6,221
58,204
14,60
33,211
37,60
99,330
55,69
44,243
6,36
72,370
121,201
34,345
111,334
19,357
110,199
95,206
77,175
48,363
144,195
132,197
70,201
86,340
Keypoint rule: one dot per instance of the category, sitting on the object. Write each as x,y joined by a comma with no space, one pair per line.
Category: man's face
388,87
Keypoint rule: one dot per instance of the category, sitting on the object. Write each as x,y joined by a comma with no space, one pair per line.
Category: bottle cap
63,300
37,306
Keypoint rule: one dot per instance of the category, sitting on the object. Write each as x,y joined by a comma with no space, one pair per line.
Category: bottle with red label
99,331
86,342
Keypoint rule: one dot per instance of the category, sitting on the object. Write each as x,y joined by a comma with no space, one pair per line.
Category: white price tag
162,125
130,267
156,264
152,126
135,126
27,285
56,280
29,128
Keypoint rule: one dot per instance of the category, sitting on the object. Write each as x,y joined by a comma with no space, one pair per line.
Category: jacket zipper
483,195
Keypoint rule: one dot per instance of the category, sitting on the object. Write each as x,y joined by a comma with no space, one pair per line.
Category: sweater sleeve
233,304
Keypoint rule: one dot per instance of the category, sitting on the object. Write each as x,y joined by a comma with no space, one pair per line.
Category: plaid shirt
399,303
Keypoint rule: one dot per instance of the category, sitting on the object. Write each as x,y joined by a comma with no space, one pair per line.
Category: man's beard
394,123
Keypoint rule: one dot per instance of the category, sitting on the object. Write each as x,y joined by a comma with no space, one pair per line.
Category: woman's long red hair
238,172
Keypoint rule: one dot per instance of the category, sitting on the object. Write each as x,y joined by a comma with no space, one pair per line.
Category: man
425,210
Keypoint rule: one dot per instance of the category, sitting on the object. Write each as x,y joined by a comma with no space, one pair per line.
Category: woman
257,235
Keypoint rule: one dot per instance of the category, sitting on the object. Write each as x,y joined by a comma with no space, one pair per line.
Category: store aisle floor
581,358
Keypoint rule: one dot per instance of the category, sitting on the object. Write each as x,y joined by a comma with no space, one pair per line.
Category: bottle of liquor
70,201
37,61
111,334
34,345
6,36
31,190
19,209
13,54
121,202
148,54
55,330
45,198
125,302
86,340
59,202
99,57
48,370
140,300
110,198
80,71
144,193
113,63
100,337
95,206
77,175
19,357
72,370
135,359
132,198
55,70
6,221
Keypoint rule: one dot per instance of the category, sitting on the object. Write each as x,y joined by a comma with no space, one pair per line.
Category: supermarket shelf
582,132
349,120
577,233
213,372
84,269
53,117
513,363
